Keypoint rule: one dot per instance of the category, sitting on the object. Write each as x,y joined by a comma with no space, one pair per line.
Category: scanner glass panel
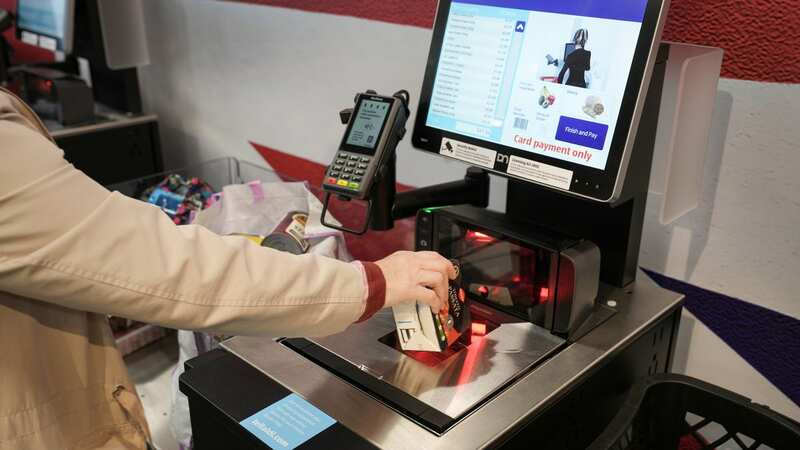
500,272
502,75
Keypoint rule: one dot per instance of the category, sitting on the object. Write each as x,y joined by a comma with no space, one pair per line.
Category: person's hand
412,276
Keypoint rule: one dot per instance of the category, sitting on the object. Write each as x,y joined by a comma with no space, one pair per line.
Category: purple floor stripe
768,340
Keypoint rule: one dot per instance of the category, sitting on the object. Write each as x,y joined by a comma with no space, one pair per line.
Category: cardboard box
420,329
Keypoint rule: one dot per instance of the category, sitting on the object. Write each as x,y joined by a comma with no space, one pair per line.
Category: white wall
223,74
744,238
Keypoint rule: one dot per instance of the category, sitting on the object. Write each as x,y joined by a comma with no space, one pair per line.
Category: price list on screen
472,66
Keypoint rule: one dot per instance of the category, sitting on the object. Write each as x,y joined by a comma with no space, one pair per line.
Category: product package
180,197
290,234
421,329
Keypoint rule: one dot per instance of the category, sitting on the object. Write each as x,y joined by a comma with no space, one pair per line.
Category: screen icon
520,28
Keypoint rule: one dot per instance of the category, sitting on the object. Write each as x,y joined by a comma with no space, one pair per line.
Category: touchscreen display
368,124
542,76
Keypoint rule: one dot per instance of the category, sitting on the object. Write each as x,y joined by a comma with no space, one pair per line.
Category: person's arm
588,60
65,239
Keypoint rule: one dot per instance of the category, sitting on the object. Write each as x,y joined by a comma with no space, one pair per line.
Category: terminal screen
47,17
368,124
542,76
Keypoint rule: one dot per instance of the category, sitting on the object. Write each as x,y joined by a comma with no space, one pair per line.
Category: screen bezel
357,148
602,185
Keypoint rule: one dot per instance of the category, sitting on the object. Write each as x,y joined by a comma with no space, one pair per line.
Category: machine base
563,402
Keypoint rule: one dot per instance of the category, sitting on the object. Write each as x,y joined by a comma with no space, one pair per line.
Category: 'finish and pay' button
582,132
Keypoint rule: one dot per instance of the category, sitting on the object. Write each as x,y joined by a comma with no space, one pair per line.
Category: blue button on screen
582,132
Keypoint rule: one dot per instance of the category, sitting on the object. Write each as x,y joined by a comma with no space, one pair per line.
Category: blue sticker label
288,423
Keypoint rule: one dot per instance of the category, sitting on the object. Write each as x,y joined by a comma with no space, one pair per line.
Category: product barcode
520,123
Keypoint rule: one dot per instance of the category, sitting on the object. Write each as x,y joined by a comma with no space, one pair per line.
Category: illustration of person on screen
577,63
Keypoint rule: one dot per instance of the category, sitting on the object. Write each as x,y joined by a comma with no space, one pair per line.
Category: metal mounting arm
472,190
385,205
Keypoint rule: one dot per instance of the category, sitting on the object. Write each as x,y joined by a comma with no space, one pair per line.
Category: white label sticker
48,43
472,154
539,172
29,38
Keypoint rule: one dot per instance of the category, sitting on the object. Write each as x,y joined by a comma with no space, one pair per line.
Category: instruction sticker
472,154
288,423
539,172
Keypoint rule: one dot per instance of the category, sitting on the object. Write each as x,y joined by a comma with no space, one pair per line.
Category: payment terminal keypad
348,170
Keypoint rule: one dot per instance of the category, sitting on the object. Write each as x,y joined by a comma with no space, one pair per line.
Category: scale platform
470,397
433,389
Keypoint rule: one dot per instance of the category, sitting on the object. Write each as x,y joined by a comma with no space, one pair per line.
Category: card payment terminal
375,127
364,163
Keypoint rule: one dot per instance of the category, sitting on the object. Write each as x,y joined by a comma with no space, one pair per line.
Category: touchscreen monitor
547,91
46,23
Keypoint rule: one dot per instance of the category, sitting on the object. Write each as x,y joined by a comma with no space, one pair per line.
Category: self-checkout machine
565,321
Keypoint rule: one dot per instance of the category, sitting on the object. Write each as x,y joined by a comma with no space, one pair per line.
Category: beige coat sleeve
65,239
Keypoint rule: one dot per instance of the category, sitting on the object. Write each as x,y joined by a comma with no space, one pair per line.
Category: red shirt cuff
376,290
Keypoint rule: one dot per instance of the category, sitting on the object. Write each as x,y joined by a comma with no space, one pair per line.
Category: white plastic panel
124,36
687,105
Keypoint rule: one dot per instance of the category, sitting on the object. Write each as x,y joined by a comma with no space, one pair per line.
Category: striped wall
759,36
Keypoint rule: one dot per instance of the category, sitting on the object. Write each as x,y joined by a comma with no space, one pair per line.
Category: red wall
760,37
418,13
